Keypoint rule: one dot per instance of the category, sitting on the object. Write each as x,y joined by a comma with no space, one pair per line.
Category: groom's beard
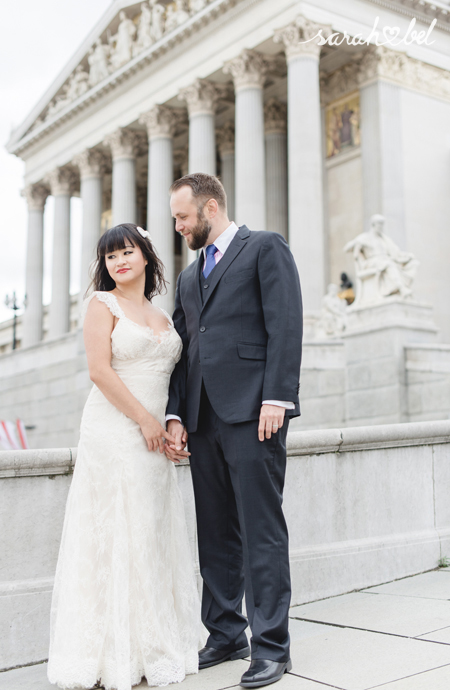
199,233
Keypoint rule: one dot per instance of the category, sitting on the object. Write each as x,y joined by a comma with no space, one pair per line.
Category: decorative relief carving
62,181
225,138
36,195
295,34
380,62
249,69
202,96
91,163
176,15
339,82
122,42
162,121
275,117
98,62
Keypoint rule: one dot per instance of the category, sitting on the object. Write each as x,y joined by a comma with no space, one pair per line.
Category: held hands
154,434
271,418
175,449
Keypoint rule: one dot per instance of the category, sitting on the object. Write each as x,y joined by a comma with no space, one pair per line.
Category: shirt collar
225,238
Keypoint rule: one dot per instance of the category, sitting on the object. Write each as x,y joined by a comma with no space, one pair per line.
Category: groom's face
190,219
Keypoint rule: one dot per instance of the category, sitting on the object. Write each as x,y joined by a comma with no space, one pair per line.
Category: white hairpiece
143,232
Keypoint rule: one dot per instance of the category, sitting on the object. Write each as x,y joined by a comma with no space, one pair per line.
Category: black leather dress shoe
264,672
208,656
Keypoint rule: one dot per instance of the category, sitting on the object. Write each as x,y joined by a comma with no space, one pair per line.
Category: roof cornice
21,138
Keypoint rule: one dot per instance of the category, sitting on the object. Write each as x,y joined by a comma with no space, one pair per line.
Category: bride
125,601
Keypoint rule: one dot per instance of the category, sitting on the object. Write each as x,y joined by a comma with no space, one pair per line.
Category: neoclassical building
309,140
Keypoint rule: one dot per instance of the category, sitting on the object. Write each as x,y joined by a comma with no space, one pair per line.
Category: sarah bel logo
388,35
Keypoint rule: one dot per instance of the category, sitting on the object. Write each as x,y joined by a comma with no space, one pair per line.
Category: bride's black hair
117,238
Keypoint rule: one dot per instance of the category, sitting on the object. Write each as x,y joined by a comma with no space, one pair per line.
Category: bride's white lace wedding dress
125,602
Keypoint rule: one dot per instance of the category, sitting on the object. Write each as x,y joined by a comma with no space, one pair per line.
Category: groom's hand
271,419
175,451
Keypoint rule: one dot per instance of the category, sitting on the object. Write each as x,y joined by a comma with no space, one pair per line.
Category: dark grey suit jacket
244,341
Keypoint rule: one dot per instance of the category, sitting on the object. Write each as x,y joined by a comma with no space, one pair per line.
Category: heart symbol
390,33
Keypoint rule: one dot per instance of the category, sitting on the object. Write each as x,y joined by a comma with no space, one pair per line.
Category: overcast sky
36,41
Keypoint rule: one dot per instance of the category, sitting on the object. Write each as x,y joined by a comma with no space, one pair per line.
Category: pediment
126,32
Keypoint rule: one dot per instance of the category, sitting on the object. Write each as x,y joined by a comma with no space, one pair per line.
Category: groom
238,311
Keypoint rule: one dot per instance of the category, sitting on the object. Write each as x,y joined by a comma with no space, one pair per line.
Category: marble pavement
394,636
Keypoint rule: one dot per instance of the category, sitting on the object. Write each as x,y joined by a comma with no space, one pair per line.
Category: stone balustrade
364,505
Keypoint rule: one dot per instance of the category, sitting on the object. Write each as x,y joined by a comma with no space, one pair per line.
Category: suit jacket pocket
251,351
237,276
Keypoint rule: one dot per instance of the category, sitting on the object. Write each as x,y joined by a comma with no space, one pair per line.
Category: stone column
225,140
306,227
91,164
201,98
276,167
381,139
123,144
249,72
61,181
161,122
36,195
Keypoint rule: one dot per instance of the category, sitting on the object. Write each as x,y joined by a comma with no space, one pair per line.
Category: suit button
202,329
206,286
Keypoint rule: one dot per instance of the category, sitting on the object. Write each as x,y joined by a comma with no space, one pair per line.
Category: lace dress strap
107,298
167,315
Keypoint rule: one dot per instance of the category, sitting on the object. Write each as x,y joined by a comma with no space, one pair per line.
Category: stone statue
58,104
144,31
382,269
78,84
197,5
123,40
98,63
157,19
333,317
176,15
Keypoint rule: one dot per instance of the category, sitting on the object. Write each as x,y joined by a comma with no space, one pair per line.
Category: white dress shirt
222,243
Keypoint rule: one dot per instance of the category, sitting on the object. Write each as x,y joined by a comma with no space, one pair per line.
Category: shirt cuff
173,416
280,403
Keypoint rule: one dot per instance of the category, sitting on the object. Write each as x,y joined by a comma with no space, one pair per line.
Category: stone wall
364,506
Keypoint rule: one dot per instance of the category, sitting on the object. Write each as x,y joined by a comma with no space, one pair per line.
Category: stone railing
364,505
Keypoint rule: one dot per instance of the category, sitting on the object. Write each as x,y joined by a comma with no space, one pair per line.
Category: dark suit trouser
242,534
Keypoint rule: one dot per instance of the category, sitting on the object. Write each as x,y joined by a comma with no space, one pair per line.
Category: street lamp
11,303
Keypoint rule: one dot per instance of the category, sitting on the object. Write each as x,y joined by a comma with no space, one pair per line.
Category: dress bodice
138,348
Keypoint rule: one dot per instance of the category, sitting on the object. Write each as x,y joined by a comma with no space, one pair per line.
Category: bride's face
126,265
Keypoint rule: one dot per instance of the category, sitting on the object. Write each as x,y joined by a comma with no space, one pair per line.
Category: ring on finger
275,426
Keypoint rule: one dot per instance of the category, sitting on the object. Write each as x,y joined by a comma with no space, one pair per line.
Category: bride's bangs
116,238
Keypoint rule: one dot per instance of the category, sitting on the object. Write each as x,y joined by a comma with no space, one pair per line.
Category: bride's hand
155,434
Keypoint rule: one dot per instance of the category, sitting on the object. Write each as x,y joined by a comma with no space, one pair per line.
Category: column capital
275,117
62,181
36,196
91,163
302,38
249,69
123,143
161,121
379,61
202,96
225,138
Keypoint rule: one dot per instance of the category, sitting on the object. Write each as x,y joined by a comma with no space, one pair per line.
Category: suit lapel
196,277
238,242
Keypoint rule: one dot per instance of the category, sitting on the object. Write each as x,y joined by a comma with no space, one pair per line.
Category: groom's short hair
203,187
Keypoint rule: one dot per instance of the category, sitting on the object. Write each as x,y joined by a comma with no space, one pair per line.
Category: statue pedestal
375,341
